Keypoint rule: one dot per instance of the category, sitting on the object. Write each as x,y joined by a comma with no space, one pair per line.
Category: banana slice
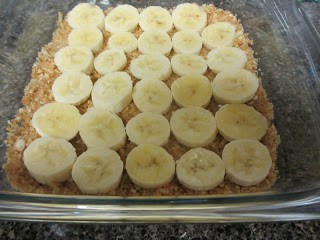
183,64
152,96
90,37
112,92
150,166
155,18
154,42
220,34
49,160
239,121
124,41
123,18
187,42
98,170
58,120
200,169
193,126
110,60
247,161
225,59
237,86
189,16
100,128
72,88
86,15
74,58
148,128
191,91
151,66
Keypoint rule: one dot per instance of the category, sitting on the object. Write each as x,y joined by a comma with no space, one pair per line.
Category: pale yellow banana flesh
98,170
226,59
187,42
86,15
74,58
237,86
100,128
148,128
110,60
49,160
192,91
193,126
125,41
189,16
239,121
112,92
155,18
72,88
87,37
220,34
58,120
123,18
247,161
150,166
152,96
183,64
154,42
151,66
200,169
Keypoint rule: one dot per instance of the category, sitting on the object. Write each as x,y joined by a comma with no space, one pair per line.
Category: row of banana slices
98,170
115,90
154,66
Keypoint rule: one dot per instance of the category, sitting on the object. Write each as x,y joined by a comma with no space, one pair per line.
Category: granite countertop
282,230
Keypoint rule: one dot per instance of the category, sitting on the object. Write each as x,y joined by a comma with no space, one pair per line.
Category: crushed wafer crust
38,92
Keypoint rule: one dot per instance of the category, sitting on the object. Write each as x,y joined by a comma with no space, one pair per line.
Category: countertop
282,230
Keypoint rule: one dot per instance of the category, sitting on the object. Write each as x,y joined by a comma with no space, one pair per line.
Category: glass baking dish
288,50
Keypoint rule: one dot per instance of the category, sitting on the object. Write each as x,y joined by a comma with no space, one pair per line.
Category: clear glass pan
288,49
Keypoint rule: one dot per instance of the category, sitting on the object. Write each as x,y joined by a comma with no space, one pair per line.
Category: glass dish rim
40,207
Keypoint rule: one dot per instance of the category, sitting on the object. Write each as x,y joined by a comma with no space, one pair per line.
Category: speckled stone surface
287,230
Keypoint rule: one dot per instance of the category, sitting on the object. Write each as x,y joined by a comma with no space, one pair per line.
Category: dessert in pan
144,102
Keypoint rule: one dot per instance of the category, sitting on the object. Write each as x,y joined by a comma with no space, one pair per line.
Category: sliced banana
183,64
86,15
110,60
150,166
123,18
155,18
112,92
189,16
148,128
187,41
98,170
100,128
151,66
151,95
225,59
220,34
74,58
49,160
239,121
200,169
72,88
191,91
90,37
247,161
237,86
58,120
193,126
124,41
154,42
